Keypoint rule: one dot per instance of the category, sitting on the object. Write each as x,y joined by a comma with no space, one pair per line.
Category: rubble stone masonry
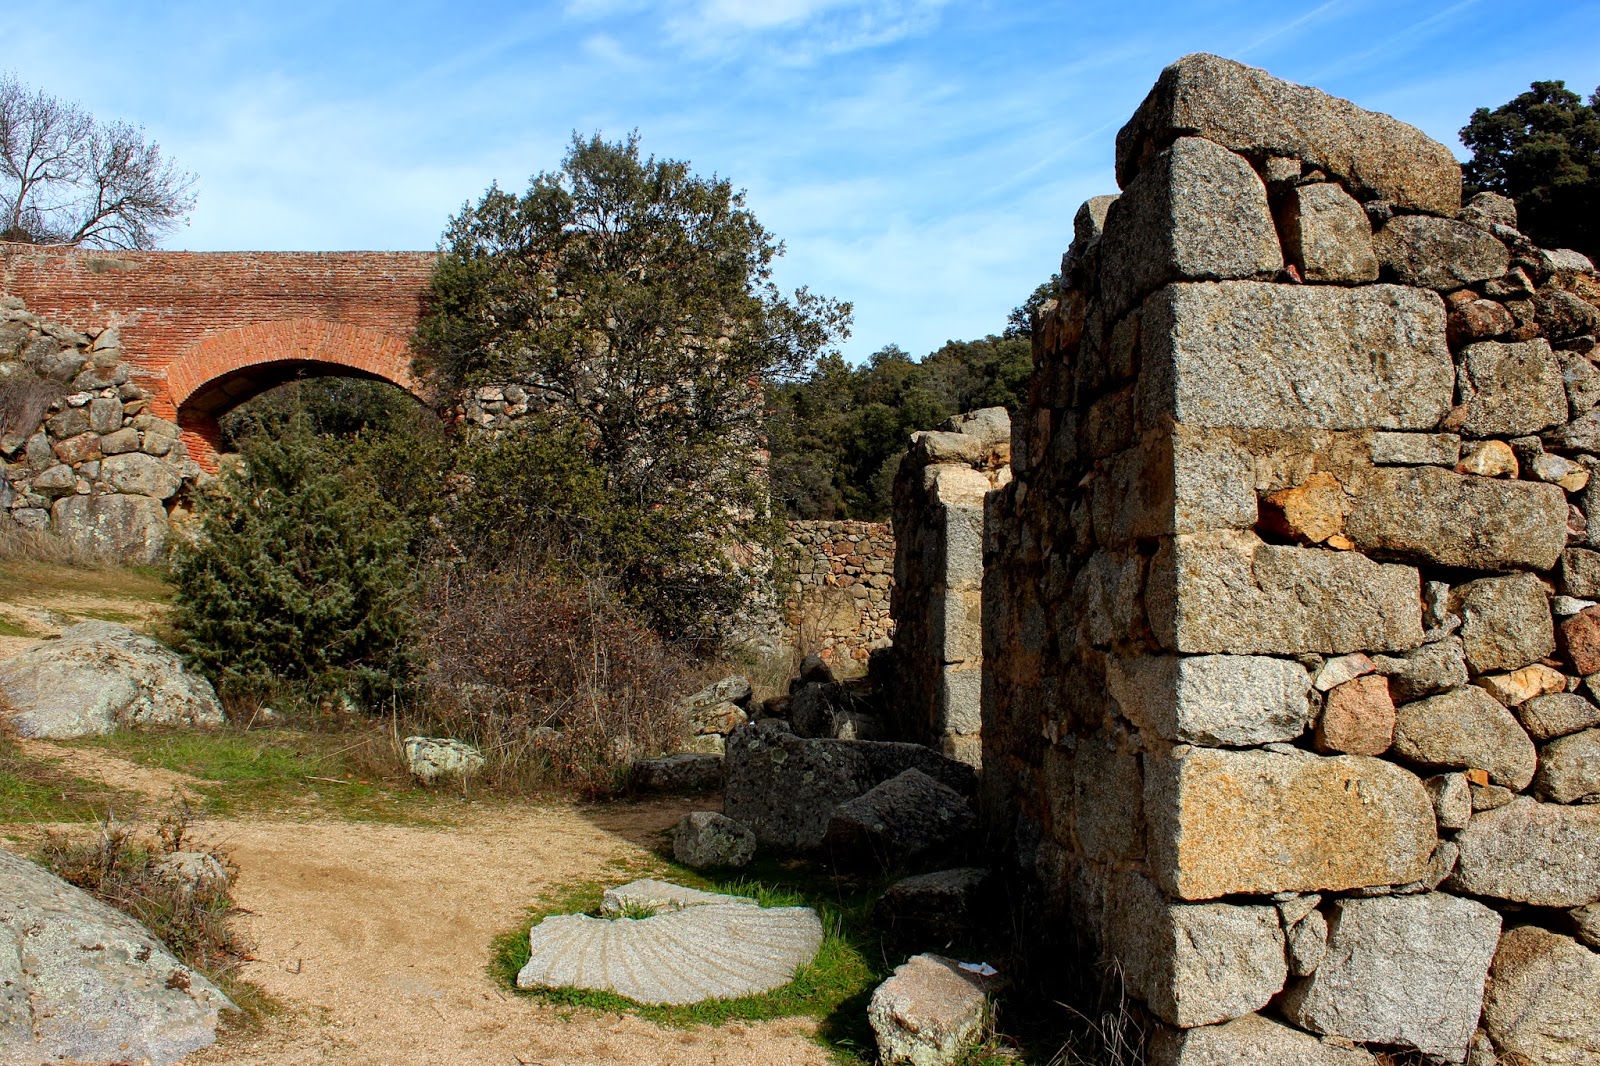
839,577
1291,635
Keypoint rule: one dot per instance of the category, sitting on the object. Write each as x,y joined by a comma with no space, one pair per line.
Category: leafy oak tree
634,299
1542,149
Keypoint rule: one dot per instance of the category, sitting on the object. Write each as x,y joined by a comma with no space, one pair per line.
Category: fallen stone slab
1400,970
928,1013
648,894
784,787
82,982
98,676
905,818
709,951
685,772
938,905
1540,1004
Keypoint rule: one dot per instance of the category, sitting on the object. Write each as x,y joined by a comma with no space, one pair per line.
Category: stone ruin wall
938,586
92,461
839,577
1290,634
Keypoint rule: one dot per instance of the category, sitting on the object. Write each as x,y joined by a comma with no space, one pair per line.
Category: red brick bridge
205,331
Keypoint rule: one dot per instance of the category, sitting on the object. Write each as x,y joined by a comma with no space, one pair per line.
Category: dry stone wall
938,587
1291,635
81,451
840,574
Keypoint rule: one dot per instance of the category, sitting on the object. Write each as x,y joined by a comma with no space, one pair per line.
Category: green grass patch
284,772
108,614
42,790
833,988
9,628
30,578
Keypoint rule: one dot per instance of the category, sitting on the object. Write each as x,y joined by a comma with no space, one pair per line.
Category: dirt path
377,938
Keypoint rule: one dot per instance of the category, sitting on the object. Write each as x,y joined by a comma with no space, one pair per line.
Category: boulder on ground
1540,1004
935,906
84,983
192,871
127,527
439,758
785,788
98,676
685,772
706,838
928,1013
901,820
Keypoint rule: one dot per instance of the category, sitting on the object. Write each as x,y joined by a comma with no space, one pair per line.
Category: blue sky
921,158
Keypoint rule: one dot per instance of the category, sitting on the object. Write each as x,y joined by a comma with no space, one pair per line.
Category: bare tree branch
67,179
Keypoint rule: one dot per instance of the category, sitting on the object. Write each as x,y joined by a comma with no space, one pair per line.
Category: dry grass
24,399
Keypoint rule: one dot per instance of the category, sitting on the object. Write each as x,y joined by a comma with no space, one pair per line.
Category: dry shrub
119,868
19,544
552,676
24,399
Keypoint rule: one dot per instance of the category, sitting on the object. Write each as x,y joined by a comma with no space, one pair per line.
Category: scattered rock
705,839
903,819
98,676
716,719
1464,729
1545,854
814,670
192,871
928,1013
733,689
432,759
1405,970
82,982
649,896
684,772
1539,1007
1569,769
1490,209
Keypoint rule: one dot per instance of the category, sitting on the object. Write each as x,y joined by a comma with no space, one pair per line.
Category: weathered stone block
1505,622
129,528
1558,715
1540,1004
1357,718
1197,212
1416,449
1229,592
142,475
1510,389
1545,854
1569,769
1251,1039
1252,355
1580,573
1248,110
1462,730
1431,669
1260,822
1326,234
1193,963
1431,515
1438,253
1580,640
1215,700
1401,970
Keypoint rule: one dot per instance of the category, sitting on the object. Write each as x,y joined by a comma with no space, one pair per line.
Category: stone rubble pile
938,587
1292,611
94,463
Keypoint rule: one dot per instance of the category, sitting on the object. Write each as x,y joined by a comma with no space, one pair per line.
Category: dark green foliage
837,436
1542,149
327,406
298,574
1020,322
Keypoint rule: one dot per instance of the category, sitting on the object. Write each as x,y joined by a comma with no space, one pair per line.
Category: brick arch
225,369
